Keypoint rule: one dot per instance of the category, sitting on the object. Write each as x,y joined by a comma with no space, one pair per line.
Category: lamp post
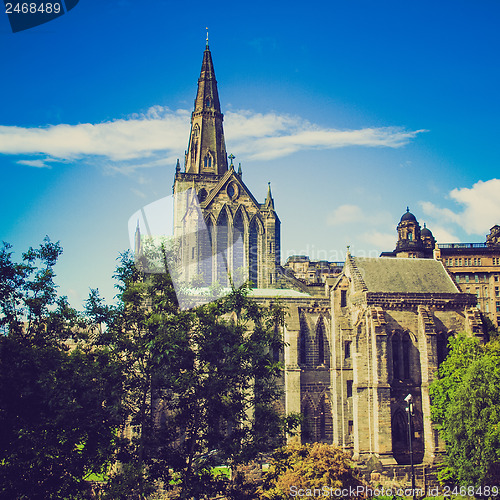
409,410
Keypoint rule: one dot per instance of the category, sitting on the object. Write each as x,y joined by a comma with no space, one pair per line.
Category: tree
58,407
316,469
466,409
199,385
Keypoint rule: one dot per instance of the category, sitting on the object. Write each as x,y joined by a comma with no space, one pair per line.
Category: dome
426,232
408,216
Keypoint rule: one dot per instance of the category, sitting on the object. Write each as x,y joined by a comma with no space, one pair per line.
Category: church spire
207,149
269,203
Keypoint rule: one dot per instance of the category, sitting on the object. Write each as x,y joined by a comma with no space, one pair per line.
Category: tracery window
401,355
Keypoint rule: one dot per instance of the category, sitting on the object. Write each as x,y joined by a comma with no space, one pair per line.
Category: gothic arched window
395,343
222,243
406,344
303,341
320,342
205,252
401,344
307,427
238,247
253,252
207,161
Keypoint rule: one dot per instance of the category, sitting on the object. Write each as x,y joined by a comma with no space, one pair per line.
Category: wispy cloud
143,140
35,163
382,241
269,136
481,207
345,214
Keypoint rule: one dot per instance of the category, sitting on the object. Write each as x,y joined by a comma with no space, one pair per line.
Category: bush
311,467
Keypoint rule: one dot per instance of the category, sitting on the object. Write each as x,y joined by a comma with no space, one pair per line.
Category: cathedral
359,340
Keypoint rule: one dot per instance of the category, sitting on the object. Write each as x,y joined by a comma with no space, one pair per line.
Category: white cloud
35,163
481,207
345,214
160,133
383,241
136,137
443,214
271,136
443,235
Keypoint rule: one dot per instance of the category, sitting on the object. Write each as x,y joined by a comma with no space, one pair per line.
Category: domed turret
408,216
425,231
409,239
428,240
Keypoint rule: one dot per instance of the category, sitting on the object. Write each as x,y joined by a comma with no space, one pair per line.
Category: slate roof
401,275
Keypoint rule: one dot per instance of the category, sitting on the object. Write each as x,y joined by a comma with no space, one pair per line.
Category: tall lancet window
222,241
401,344
238,248
205,253
320,342
253,252
207,161
194,142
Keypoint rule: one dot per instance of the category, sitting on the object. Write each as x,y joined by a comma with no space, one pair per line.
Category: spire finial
407,209
424,225
232,157
207,36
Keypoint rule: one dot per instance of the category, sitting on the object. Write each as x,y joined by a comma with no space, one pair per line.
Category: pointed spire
177,167
207,37
269,199
239,170
137,246
206,151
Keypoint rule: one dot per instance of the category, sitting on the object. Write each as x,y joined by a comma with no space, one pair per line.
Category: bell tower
206,151
224,234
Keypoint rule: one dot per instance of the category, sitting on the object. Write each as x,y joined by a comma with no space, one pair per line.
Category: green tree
310,470
200,385
58,407
466,408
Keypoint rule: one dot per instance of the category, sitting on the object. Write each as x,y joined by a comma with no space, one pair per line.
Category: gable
231,190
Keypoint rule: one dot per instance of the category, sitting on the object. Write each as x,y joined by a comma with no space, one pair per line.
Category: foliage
201,385
466,408
59,407
308,467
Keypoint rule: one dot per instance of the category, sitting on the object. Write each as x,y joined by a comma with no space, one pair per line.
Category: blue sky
352,110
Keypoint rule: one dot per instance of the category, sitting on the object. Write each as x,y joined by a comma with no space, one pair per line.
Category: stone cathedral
234,234
373,331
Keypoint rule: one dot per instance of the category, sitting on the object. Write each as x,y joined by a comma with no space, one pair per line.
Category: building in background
475,267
